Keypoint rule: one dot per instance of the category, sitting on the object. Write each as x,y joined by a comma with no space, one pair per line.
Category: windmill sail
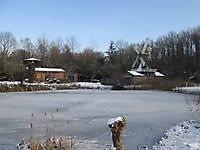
140,64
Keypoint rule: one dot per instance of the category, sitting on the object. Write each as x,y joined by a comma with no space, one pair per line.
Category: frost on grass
184,136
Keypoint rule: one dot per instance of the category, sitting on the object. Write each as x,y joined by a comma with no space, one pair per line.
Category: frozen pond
149,114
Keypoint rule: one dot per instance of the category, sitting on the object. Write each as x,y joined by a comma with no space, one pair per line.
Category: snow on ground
97,85
188,90
184,136
9,82
86,85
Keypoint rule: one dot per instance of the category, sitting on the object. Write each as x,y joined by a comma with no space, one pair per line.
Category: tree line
177,55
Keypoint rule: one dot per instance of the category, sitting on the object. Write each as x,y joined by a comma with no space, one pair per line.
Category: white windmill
140,66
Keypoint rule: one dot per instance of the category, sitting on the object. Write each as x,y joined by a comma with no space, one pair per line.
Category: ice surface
148,115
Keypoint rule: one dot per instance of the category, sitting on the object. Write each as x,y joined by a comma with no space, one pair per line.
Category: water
84,114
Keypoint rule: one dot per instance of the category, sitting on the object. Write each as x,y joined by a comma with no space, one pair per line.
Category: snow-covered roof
32,59
134,73
49,69
158,74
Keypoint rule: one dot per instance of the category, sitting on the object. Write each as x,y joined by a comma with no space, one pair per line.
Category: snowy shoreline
188,90
9,86
184,136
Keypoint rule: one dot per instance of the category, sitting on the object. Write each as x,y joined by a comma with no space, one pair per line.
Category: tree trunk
117,125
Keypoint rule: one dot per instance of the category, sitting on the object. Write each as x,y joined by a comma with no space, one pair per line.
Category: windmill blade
137,49
134,64
144,48
142,61
149,57
149,49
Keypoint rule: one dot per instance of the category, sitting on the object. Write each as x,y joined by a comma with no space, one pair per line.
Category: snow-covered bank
9,86
9,82
91,85
74,85
188,90
184,136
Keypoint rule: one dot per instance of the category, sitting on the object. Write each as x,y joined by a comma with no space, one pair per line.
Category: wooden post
117,125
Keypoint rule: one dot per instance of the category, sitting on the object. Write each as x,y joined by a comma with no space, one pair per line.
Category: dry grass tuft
59,143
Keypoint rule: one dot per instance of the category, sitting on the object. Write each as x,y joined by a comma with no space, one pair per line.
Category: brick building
45,74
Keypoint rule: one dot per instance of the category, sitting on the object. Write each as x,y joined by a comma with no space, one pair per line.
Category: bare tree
93,44
55,52
121,44
7,45
71,44
42,48
28,45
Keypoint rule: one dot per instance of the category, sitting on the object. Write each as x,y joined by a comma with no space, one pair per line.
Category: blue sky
96,22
